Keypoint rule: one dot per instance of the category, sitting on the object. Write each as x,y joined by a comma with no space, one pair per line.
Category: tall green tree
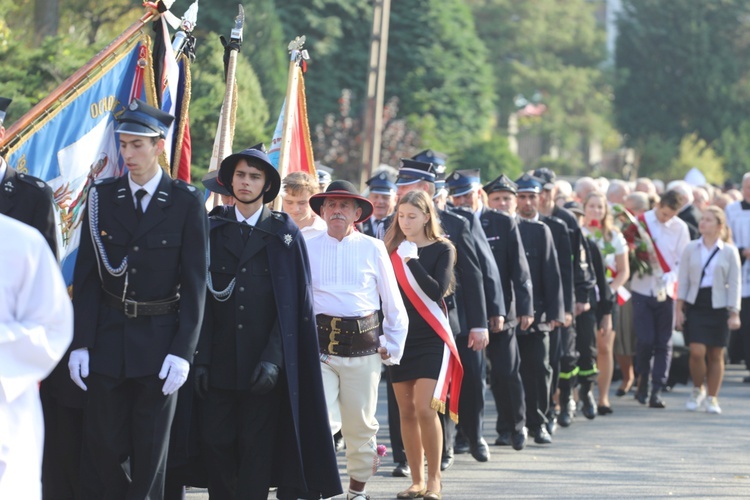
553,53
440,69
682,67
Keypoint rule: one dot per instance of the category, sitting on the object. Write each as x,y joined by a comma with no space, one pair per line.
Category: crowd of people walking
228,349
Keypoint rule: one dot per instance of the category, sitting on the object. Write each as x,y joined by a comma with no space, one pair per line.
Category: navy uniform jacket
507,248
29,200
166,254
606,297
564,257
545,273
466,306
691,215
493,288
306,464
584,279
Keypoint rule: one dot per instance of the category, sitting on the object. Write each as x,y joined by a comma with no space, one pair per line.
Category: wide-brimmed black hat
255,156
211,182
342,189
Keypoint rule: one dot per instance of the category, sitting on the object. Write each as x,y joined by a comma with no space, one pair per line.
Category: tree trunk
46,19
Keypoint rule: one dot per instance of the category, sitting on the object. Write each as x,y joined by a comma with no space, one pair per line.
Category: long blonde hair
419,200
607,225
721,219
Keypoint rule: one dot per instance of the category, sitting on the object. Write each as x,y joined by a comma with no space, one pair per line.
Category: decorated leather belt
348,337
133,309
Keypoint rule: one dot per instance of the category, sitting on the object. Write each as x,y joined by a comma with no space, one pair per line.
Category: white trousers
351,388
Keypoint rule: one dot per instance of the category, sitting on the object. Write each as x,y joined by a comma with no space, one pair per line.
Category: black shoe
541,436
446,462
567,409
641,394
589,405
503,439
338,440
518,439
565,418
480,451
552,426
655,401
604,410
401,470
462,445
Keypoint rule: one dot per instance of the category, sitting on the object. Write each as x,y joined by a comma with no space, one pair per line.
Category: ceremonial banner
73,142
300,153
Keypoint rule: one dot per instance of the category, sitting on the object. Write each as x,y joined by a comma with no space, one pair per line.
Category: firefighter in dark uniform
383,198
506,246
463,185
533,344
584,284
257,369
24,197
467,307
138,293
30,200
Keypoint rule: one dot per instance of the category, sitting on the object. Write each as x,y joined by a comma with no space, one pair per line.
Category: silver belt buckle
130,308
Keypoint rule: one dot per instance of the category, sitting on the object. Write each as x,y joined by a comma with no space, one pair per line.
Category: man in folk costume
351,276
653,296
139,288
738,219
263,419
36,326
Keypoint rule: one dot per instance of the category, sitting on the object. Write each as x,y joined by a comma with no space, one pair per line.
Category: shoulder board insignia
191,188
34,181
40,184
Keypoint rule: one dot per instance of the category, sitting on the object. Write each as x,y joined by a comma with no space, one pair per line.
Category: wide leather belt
348,337
133,309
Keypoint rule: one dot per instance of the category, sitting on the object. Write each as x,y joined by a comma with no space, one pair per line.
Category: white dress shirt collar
252,220
150,188
3,168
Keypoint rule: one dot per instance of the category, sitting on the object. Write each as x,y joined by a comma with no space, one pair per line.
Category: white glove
175,370
78,364
407,250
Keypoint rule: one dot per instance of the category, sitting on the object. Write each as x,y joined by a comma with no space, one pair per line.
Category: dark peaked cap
413,171
145,120
462,182
4,103
502,183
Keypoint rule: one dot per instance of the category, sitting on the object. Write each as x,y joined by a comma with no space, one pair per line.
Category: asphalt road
634,453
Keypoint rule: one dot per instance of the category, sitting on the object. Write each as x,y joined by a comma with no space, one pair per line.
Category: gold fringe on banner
180,132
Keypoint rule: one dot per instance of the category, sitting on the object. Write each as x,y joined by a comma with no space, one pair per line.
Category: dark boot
567,408
641,395
655,401
587,398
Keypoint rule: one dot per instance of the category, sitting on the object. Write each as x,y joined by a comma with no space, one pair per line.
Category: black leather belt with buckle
348,337
133,309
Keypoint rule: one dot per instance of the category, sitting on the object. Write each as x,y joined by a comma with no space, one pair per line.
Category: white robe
36,327
738,221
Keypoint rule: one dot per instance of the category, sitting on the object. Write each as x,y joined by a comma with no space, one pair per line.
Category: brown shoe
411,494
432,495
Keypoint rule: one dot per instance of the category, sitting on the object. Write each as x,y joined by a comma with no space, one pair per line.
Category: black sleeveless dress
423,352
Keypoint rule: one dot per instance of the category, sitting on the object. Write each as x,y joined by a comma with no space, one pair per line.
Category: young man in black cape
263,420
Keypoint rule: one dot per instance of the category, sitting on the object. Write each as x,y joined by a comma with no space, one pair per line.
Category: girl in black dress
416,240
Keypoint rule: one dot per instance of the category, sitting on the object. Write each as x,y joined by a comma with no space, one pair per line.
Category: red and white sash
451,370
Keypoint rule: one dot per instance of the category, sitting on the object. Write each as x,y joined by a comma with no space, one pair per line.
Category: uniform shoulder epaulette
34,181
105,180
184,185
287,230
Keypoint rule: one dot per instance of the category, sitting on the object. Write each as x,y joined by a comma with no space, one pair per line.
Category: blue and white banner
75,143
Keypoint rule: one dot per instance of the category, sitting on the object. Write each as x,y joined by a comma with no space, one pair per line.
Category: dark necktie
378,229
245,230
138,202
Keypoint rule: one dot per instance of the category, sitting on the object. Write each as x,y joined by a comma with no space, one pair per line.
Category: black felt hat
255,156
342,189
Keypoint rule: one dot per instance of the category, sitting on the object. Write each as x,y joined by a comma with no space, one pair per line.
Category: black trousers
63,438
238,431
555,355
394,422
128,419
745,329
471,404
536,375
569,357
505,380
653,337
586,344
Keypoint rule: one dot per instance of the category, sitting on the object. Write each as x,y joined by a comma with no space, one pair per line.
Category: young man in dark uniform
383,198
139,289
263,416
533,344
